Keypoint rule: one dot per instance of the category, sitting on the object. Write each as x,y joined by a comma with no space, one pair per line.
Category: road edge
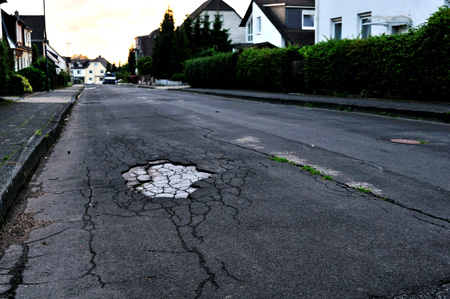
32,151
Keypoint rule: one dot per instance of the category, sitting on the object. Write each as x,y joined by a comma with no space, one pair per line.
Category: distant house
78,68
278,23
88,71
18,36
230,19
144,44
340,19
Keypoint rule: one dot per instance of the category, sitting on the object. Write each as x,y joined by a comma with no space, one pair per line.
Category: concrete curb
331,105
29,155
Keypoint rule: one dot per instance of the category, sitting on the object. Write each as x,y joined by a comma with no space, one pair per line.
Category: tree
132,61
79,56
144,66
35,54
219,36
163,50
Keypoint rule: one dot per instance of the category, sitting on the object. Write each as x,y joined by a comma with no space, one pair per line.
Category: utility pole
45,48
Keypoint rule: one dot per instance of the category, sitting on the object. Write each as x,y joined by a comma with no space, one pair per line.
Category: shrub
35,76
266,69
178,77
218,71
17,85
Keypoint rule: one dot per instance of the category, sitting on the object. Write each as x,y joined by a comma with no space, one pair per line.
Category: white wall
417,10
231,21
1,23
269,33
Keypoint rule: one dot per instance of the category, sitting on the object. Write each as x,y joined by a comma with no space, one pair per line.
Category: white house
230,18
355,18
279,23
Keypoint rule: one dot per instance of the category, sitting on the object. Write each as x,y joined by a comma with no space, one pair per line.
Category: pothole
164,179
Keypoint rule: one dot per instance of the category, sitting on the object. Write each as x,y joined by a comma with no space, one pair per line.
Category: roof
3,1
79,64
290,35
37,23
211,5
102,60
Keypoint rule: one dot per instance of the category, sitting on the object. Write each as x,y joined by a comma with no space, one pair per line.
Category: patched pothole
164,179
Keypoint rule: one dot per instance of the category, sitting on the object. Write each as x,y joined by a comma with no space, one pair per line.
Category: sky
105,27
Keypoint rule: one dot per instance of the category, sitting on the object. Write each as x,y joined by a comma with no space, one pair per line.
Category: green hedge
266,69
17,85
415,65
35,76
218,71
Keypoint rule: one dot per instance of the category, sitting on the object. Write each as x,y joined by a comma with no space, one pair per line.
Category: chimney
16,13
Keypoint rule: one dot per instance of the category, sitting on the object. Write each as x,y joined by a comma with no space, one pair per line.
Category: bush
415,64
178,77
17,85
218,71
266,69
35,76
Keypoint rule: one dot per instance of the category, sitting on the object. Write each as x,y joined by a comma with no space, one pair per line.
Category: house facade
230,19
144,44
88,71
279,23
340,19
18,36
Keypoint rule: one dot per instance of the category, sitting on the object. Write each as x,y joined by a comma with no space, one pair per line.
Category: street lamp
45,48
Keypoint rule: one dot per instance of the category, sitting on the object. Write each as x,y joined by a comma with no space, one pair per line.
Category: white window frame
250,30
363,18
307,12
258,25
19,34
334,22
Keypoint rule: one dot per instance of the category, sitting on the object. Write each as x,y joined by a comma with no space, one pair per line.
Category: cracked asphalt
253,228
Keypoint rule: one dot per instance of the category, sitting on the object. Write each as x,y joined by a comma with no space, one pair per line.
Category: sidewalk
28,127
416,110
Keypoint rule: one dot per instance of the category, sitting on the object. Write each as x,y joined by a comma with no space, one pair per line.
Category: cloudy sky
105,27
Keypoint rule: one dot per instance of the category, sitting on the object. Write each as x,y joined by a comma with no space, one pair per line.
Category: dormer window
19,34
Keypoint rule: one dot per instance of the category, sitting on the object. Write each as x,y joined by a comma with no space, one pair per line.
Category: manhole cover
405,141
164,179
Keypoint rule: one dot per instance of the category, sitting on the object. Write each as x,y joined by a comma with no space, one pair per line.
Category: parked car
110,78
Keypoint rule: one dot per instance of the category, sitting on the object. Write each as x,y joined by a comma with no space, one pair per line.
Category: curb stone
29,155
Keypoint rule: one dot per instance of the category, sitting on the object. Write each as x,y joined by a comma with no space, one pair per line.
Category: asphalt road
254,227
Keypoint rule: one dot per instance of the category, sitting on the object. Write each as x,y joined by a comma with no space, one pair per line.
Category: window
19,34
102,71
78,72
101,79
308,19
250,30
365,29
90,78
336,28
90,72
294,18
258,25
96,64
399,29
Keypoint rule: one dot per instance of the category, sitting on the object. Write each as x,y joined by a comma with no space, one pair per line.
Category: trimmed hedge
266,69
35,76
17,85
3,67
415,65
218,71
